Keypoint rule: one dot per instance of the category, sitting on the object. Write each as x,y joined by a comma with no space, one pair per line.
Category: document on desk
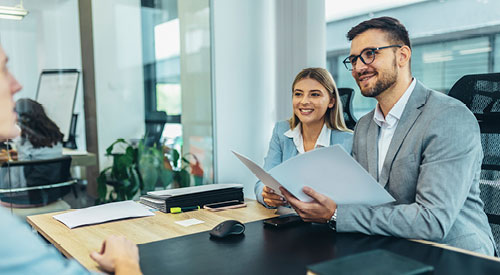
103,213
330,171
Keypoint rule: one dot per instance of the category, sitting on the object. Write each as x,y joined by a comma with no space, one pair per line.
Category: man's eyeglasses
367,56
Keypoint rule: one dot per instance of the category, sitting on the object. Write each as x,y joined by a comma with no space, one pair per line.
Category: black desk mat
264,250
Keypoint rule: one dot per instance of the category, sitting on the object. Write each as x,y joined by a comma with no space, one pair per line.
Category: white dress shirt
387,125
322,141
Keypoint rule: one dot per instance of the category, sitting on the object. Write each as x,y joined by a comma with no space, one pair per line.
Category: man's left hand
319,210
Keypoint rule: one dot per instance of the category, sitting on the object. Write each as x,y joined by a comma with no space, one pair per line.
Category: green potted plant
140,168
181,176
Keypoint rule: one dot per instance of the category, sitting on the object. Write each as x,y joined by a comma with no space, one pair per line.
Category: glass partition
146,106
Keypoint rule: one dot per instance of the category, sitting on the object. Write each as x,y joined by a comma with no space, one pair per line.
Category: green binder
371,262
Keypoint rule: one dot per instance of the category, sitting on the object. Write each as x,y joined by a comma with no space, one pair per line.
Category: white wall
119,85
258,48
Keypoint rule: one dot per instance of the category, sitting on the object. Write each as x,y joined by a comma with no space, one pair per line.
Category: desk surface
252,252
79,242
264,250
80,158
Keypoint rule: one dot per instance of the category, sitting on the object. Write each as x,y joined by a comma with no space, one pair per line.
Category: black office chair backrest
155,122
347,96
481,94
41,173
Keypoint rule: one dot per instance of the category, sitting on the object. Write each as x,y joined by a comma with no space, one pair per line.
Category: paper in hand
330,171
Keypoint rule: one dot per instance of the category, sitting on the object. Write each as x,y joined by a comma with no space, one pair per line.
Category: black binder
372,262
193,196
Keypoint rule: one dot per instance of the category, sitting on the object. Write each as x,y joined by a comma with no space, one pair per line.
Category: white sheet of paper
330,171
189,222
267,179
103,213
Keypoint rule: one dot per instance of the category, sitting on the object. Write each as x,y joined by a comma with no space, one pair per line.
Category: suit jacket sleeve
273,158
450,153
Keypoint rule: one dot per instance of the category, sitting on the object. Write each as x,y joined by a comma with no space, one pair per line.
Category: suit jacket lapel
291,148
372,149
410,114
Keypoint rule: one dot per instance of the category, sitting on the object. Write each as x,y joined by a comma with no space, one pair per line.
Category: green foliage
179,173
138,168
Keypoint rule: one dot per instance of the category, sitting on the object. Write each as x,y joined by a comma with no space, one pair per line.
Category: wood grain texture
77,243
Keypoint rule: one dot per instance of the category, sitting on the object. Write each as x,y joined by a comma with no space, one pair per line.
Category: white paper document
330,171
189,222
103,213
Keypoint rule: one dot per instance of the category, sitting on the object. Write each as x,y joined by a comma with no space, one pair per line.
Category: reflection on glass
176,52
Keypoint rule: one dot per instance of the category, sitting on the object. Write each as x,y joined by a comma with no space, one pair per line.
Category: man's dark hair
394,29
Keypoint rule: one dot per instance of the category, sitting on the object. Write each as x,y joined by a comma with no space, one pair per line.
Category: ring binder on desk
196,195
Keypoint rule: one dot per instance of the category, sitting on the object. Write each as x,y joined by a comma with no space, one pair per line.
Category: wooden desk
79,242
80,158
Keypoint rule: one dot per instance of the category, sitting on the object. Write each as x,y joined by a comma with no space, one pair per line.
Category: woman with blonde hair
317,121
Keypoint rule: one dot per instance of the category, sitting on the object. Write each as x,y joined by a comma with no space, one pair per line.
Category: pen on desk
175,210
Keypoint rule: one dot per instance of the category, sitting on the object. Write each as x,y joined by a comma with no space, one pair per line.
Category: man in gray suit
424,147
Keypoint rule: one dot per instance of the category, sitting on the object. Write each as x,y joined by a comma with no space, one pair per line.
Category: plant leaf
185,179
175,158
101,184
149,172
166,177
134,183
109,150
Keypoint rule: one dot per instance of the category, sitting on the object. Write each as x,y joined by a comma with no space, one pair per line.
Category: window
496,51
438,65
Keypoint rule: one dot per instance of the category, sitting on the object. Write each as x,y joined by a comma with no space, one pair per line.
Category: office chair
347,96
47,181
481,94
155,122
71,142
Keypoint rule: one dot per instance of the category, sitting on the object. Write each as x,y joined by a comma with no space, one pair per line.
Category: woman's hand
272,199
7,156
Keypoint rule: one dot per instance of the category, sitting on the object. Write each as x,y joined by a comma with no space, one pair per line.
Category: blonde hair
334,117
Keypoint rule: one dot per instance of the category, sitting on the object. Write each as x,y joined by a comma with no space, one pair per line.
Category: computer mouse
227,228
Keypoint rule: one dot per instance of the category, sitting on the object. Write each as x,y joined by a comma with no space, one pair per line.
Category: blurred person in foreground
21,252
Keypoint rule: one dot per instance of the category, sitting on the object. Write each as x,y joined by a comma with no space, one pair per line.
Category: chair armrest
41,187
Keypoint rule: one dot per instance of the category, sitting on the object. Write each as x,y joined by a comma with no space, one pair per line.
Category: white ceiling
337,10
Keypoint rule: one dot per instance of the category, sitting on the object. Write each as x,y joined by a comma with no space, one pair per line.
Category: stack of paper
103,213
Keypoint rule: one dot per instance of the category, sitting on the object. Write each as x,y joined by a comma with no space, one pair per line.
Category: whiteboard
56,92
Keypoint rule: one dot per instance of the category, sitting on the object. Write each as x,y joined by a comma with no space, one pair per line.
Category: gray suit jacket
432,169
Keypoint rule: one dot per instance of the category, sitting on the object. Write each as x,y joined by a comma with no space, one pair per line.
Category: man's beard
383,83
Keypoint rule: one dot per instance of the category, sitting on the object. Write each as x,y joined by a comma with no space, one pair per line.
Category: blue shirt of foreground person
424,148
317,121
21,252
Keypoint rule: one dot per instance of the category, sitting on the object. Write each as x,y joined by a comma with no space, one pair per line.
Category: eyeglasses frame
347,61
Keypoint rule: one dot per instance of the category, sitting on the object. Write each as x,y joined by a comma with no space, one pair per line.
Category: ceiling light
16,13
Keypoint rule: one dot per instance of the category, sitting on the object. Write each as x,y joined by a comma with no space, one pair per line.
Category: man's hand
118,255
319,210
271,198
